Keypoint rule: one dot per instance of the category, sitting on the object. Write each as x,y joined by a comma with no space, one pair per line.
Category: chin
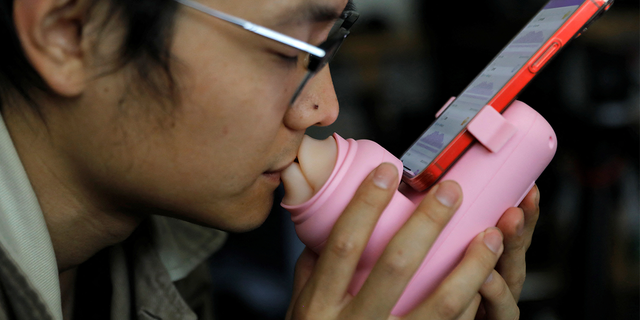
248,223
239,218
248,213
238,212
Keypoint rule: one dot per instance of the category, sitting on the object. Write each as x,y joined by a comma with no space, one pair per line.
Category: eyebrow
315,12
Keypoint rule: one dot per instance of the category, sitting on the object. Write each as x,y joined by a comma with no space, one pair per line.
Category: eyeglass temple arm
265,32
350,19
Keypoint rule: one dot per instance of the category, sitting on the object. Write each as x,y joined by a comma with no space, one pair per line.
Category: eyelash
291,60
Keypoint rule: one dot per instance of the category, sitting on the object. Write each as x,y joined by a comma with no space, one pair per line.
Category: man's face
214,158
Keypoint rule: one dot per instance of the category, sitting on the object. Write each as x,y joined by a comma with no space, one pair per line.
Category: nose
316,105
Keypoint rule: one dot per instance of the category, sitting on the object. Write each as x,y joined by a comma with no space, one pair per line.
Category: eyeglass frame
319,56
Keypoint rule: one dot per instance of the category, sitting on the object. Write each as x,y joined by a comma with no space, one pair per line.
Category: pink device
495,174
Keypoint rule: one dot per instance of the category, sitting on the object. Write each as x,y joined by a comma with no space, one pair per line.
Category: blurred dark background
403,60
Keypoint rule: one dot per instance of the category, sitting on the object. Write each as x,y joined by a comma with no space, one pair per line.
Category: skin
469,292
103,153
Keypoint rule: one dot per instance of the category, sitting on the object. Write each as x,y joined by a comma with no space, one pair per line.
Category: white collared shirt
25,238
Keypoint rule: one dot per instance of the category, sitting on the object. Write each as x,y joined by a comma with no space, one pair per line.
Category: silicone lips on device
494,174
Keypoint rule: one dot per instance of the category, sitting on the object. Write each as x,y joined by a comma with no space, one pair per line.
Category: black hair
146,45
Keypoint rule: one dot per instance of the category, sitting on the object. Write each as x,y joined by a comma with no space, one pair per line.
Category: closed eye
293,60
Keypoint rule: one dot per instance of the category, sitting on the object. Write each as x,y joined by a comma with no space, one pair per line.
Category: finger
517,225
530,205
512,224
498,302
458,290
471,311
512,264
339,258
406,251
304,268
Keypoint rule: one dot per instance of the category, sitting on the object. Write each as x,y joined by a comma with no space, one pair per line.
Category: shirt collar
182,246
23,231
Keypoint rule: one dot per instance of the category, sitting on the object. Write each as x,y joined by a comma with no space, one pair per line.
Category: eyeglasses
316,57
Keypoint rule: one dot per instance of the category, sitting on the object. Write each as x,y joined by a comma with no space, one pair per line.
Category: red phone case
573,27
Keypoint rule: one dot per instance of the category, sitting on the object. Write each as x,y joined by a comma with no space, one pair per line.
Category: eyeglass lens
337,35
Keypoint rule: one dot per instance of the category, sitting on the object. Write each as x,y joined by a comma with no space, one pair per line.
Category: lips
278,170
302,179
275,175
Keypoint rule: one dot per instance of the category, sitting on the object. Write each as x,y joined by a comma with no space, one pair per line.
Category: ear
50,32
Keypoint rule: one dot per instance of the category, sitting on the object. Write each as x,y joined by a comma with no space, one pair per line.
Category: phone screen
484,87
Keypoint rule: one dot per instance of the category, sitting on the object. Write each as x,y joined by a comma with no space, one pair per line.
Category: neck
80,220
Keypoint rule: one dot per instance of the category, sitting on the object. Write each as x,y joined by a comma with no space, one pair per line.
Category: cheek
219,63
236,157
225,133
232,103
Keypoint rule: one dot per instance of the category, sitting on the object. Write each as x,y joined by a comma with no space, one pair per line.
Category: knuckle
370,198
502,291
518,281
449,308
487,260
532,215
527,245
521,249
516,244
436,216
516,314
343,247
370,201
397,266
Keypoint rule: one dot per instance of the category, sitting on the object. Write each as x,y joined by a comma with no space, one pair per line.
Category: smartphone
498,85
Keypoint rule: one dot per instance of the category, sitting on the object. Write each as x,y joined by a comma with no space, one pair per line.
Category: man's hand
502,290
320,286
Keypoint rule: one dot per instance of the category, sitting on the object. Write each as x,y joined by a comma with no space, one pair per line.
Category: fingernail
384,177
448,193
520,229
489,278
493,240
